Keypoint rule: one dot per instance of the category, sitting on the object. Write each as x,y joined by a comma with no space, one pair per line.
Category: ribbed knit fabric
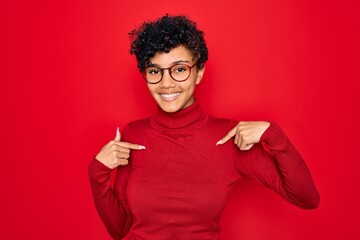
176,188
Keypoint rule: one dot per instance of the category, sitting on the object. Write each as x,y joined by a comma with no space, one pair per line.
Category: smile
169,96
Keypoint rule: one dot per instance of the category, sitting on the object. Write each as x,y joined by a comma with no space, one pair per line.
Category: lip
167,97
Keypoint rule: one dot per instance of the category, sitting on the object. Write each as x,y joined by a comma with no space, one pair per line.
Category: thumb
118,135
228,136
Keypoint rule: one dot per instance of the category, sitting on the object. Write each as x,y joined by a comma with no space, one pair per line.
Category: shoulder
221,122
140,123
133,127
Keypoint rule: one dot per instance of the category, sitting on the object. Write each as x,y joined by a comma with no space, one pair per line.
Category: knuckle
124,150
124,162
115,161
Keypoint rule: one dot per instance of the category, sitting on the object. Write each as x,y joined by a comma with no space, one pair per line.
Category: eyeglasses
179,72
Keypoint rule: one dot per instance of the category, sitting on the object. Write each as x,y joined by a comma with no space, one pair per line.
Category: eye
180,69
153,71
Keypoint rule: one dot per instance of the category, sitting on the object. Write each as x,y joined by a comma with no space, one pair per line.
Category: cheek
151,88
191,85
189,90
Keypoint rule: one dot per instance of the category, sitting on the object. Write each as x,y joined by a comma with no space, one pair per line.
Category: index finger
130,145
228,136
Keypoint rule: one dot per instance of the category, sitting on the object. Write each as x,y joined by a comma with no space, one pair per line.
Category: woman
176,168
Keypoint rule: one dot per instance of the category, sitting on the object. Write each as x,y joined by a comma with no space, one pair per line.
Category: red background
67,80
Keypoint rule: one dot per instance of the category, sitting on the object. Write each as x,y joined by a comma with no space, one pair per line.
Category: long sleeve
108,205
277,164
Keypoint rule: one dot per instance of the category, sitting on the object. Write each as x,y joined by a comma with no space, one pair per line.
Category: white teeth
169,95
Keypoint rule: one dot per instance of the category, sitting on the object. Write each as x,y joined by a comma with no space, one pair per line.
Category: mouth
169,96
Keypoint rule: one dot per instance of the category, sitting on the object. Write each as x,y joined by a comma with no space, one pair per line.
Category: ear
199,75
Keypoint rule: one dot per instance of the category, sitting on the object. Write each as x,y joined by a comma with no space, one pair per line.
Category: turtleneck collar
186,119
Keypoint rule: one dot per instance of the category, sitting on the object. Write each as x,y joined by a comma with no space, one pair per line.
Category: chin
170,108
174,105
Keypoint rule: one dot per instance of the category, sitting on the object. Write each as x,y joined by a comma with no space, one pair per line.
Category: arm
275,162
111,205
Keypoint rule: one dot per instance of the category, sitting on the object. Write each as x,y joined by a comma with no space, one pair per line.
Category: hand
116,153
246,134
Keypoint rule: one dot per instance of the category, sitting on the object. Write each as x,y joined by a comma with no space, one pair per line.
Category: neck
185,119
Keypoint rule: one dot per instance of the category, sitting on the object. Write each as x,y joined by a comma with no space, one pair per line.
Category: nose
167,81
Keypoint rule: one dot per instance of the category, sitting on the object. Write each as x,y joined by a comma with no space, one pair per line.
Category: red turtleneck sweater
177,187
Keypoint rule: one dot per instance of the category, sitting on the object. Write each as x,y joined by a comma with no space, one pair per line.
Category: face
170,95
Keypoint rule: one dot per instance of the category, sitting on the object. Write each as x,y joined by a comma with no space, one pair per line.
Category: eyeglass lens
178,72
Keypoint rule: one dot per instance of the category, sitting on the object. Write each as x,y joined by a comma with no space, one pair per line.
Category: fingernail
117,129
219,142
142,147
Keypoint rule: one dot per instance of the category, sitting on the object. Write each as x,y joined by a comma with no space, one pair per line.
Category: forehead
179,53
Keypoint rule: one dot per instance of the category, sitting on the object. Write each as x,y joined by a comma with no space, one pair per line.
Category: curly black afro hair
165,34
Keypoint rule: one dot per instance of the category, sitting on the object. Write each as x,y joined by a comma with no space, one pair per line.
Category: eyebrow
173,63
